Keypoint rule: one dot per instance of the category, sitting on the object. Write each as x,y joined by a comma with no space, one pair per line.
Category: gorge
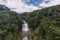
41,24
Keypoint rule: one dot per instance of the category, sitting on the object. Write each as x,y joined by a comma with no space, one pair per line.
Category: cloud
51,3
19,6
26,0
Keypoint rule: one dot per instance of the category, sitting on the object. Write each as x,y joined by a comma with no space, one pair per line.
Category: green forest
44,22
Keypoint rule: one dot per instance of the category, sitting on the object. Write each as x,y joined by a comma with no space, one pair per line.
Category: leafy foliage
45,22
10,24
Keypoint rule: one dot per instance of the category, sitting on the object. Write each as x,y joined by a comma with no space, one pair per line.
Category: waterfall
25,26
25,38
25,29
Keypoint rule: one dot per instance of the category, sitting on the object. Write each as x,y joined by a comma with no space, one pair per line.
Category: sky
21,6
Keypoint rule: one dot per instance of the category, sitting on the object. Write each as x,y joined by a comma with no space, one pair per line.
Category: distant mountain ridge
4,8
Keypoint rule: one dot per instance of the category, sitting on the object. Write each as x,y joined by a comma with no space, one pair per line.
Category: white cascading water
25,29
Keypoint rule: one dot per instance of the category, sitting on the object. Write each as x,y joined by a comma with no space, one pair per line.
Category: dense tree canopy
10,24
45,23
